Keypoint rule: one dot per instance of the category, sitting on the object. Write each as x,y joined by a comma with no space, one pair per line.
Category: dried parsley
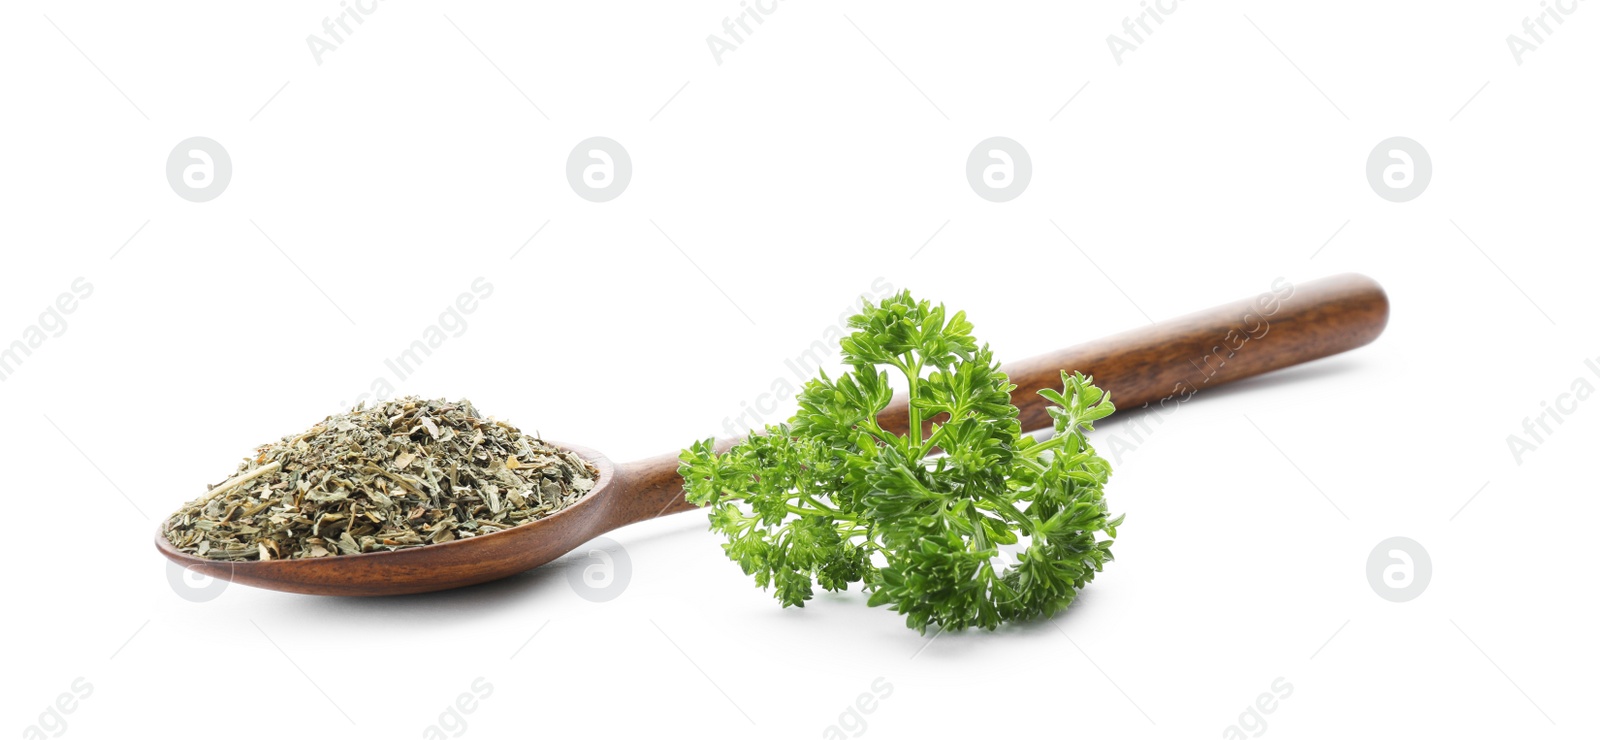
406,473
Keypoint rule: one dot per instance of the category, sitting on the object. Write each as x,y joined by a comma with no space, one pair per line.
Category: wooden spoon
1164,364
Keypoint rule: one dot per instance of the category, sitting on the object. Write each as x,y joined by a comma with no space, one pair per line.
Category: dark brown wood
649,488
1174,359
1169,360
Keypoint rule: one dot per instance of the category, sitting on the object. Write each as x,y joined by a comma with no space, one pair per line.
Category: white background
1227,150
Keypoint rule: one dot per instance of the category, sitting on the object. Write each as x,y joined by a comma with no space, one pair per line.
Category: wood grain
1177,358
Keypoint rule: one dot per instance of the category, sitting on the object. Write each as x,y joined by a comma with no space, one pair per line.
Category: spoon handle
651,488
1168,362
1164,363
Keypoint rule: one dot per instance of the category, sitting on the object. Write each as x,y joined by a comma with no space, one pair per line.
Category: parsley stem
803,511
914,373
1004,504
805,497
980,538
878,432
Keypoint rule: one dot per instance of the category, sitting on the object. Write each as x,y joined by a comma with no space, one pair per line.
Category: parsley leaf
831,498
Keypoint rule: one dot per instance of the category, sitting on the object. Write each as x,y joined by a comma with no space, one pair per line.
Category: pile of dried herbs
405,473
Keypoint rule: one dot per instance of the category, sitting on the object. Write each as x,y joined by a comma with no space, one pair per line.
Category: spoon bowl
1157,364
615,500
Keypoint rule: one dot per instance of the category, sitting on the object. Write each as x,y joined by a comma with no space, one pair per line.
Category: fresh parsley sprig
831,498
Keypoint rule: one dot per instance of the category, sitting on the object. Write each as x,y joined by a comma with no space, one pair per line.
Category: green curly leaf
830,498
